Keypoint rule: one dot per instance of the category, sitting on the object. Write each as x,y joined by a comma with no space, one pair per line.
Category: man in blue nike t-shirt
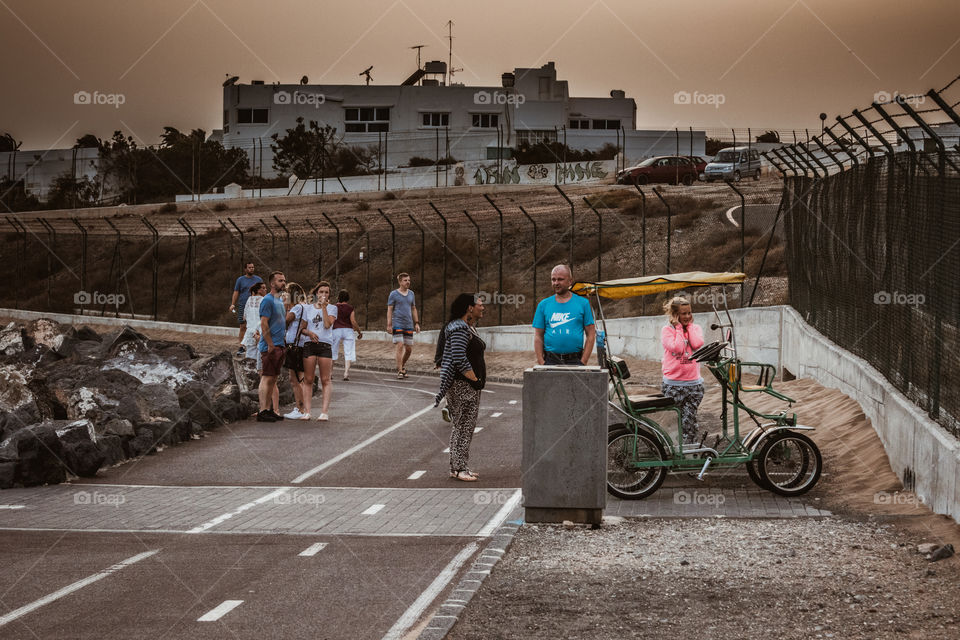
561,322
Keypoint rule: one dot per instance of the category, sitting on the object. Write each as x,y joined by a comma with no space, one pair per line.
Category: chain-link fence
872,209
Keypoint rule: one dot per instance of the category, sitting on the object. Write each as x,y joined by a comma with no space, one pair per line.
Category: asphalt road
344,529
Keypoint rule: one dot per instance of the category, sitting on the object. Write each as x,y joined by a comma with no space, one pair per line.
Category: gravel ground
640,578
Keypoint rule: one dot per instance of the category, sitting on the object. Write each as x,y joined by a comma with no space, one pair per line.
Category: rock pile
72,400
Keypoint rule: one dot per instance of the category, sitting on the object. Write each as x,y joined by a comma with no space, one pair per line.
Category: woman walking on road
681,375
317,325
463,373
343,328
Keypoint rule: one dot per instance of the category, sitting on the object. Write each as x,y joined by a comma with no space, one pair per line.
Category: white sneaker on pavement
293,415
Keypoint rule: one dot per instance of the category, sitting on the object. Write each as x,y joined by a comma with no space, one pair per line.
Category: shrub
220,206
168,208
362,205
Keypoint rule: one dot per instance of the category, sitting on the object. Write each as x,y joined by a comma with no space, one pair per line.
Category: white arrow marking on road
56,595
313,549
496,415
416,475
372,509
411,615
220,610
352,450
238,510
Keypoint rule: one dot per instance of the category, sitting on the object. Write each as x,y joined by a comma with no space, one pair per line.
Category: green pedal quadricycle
777,455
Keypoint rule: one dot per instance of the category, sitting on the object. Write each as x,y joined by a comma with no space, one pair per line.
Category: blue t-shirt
563,323
276,314
243,285
402,309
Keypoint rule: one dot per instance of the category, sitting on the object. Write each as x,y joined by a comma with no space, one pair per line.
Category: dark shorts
317,350
272,361
568,359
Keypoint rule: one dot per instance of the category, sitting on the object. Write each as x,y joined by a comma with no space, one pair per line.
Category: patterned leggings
688,399
464,404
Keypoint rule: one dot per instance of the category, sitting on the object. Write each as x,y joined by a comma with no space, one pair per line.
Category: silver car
733,163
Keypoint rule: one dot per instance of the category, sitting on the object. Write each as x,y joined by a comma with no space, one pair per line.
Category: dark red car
672,169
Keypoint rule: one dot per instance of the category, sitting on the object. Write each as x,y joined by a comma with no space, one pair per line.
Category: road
344,529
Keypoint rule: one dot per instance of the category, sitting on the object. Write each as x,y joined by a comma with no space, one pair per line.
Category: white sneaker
293,415
323,417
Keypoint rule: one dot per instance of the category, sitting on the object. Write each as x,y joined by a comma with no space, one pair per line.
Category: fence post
599,238
52,239
83,256
366,286
156,262
287,232
443,308
273,239
21,253
336,265
743,233
669,223
500,266
319,251
572,228
243,247
477,228
534,223
423,247
393,247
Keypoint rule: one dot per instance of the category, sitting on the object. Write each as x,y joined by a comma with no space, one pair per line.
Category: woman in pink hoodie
681,375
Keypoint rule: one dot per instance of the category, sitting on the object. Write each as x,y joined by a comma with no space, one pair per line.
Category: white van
733,163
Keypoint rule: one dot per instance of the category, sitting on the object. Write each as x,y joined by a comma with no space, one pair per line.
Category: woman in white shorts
317,326
343,328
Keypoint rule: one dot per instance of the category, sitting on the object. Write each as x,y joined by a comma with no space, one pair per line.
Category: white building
39,168
423,117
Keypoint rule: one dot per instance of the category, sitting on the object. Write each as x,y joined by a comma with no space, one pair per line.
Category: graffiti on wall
511,173
568,172
491,175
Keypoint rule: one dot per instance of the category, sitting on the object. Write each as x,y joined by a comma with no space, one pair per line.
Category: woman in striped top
462,376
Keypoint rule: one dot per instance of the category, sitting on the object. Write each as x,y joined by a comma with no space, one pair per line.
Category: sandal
404,372
305,416
400,375
464,476
454,474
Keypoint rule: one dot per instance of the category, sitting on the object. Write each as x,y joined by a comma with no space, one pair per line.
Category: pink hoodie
677,347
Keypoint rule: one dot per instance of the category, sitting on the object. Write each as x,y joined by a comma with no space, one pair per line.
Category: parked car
672,169
699,163
733,163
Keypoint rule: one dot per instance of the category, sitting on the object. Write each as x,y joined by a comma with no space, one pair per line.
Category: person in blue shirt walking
241,291
273,333
561,323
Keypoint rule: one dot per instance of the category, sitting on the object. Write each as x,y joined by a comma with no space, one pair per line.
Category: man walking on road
402,321
241,291
561,322
273,329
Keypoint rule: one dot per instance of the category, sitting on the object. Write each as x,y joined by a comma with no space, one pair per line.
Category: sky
744,63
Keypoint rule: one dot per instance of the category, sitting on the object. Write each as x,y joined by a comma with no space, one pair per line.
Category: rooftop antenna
450,68
304,80
231,80
418,47
366,72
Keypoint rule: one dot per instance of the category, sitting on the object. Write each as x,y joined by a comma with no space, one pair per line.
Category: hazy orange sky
777,63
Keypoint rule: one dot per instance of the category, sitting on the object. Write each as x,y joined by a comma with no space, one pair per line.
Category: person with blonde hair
681,375
317,326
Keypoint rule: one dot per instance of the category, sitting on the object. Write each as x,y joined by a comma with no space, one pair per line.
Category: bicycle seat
650,401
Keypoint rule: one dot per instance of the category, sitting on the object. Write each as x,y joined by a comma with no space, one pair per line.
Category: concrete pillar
564,444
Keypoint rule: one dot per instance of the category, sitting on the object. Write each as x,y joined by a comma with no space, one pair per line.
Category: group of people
284,327
564,335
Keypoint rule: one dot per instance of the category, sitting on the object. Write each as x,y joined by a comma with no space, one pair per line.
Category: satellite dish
304,80
231,80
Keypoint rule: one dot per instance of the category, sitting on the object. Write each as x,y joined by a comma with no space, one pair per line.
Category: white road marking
396,386
313,549
416,475
407,620
496,415
501,515
220,610
226,516
56,595
447,450
11,506
512,402
352,450
478,430
372,509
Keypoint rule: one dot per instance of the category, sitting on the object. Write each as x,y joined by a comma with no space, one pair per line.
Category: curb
431,372
449,612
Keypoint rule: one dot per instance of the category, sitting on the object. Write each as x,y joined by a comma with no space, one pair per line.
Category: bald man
561,323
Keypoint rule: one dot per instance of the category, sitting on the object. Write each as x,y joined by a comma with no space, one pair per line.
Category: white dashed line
416,475
372,509
220,610
313,549
11,506
238,510
513,402
56,595
496,415
447,450
478,430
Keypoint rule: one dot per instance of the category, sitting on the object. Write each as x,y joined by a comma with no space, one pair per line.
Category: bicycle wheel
790,464
624,447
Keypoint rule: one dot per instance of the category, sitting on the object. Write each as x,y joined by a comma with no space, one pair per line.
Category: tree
7,143
304,150
88,141
14,196
769,136
712,146
68,192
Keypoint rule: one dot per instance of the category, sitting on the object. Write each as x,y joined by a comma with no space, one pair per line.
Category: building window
366,119
486,120
435,119
253,116
579,124
533,136
605,124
